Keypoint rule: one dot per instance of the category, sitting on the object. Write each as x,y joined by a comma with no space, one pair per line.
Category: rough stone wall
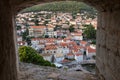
7,43
108,45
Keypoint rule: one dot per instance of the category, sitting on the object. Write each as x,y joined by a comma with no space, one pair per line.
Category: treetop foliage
89,32
29,55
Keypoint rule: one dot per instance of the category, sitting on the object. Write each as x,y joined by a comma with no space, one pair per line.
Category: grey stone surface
108,46
35,72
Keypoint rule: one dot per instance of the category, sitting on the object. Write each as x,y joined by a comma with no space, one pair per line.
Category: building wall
79,58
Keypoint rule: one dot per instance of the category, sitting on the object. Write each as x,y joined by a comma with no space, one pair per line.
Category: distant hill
63,6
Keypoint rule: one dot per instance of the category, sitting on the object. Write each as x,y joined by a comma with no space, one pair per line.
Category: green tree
63,37
18,27
93,42
73,15
25,35
89,32
57,27
46,22
28,40
36,22
29,55
46,36
71,28
48,16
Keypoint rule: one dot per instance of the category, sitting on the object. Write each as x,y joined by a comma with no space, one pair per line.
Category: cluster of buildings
63,49
51,37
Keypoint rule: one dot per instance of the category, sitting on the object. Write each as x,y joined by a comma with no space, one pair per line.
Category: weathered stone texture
108,48
7,45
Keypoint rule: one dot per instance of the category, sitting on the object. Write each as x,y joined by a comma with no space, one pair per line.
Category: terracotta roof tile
91,50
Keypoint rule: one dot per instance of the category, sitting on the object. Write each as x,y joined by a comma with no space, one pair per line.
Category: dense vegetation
29,55
64,6
89,32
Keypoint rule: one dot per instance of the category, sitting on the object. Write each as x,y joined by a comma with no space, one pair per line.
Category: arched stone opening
108,42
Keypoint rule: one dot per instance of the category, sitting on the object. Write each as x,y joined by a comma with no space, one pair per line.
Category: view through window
60,35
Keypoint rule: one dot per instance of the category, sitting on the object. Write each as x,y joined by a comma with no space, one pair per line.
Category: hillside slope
63,6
